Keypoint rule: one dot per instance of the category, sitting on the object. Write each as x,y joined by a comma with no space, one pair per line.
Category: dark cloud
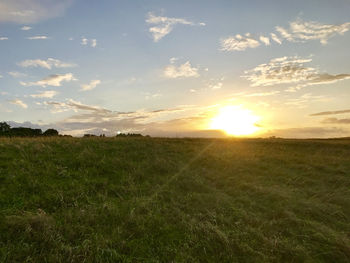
328,78
330,112
336,121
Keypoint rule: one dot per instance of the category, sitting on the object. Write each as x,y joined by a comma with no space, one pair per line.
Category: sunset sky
170,68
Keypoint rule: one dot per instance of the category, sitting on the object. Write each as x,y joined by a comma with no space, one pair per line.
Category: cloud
239,43
93,119
106,114
48,64
183,71
152,96
19,103
74,105
164,25
328,78
262,94
265,40
330,112
16,74
217,85
276,38
26,28
173,60
306,99
298,31
93,42
52,80
37,37
336,121
45,94
4,38
301,31
287,70
85,41
31,11
91,85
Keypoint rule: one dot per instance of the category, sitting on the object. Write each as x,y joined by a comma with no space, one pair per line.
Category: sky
171,68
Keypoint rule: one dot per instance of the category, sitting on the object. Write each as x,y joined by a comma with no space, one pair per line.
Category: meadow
174,200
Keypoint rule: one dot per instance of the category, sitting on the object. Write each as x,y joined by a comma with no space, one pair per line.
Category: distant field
174,200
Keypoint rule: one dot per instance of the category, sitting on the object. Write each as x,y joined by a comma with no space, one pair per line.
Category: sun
236,121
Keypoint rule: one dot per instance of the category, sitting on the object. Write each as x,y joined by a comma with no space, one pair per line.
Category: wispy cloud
298,31
287,70
182,71
276,38
93,42
217,85
164,25
19,103
336,121
31,11
85,42
26,28
45,94
48,64
91,85
239,43
4,38
265,40
52,80
16,74
323,113
306,99
149,96
74,105
301,31
262,94
38,37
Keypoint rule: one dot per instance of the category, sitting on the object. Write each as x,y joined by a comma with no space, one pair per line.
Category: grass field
174,200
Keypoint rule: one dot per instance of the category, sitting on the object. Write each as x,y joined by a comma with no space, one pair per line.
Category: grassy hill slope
174,200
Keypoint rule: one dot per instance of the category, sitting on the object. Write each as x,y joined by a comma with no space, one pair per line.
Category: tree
4,127
25,132
50,132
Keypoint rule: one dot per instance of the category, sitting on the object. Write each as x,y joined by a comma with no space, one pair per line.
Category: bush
51,132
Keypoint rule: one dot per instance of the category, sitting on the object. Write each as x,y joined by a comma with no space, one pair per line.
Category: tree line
7,131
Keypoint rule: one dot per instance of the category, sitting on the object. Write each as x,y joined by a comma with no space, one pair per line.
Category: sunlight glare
236,121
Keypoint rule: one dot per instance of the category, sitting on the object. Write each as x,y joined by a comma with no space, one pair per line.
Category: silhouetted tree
89,135
129,135
4,127
51,132
25,132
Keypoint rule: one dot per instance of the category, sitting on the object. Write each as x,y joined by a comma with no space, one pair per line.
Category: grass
174,200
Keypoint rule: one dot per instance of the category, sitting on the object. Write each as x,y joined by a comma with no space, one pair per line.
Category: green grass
174,200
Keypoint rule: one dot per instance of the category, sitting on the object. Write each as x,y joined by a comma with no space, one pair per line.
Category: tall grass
174,200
